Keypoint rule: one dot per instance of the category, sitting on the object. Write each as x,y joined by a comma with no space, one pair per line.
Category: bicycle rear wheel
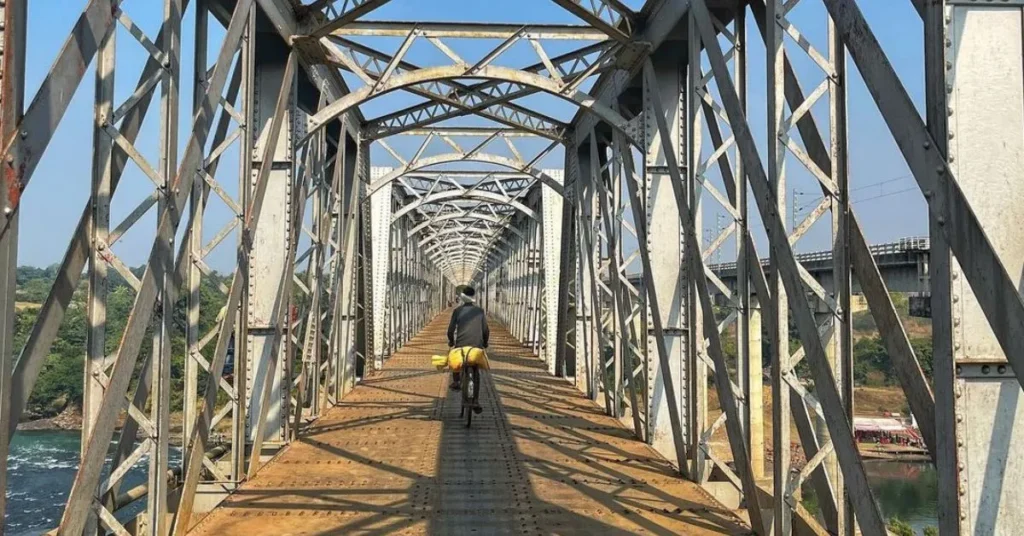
469,387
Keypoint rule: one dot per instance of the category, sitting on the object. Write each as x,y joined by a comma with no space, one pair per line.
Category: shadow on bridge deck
395,458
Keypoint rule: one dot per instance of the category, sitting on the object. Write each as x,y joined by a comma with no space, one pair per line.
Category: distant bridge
903,265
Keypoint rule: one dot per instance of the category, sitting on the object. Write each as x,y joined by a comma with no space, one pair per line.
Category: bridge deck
394,457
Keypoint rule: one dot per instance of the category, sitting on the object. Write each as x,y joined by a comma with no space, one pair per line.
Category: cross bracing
342,169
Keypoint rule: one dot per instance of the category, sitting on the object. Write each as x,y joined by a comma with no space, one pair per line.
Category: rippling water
40,471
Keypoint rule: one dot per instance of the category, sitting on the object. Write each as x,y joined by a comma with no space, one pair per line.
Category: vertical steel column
348,235
157,499
268,259
839,205
748,334
13,14
197,210
975,108
665,248
240,413
565,332
779,340
380,208
589,334
535,267
96,352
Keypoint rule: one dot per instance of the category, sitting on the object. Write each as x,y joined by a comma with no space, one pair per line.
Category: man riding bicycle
467,328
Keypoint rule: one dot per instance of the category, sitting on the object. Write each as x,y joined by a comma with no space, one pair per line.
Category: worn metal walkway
395,458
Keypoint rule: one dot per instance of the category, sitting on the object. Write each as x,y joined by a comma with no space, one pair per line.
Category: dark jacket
468,327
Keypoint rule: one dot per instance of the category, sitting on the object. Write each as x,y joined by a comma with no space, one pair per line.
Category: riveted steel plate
395,457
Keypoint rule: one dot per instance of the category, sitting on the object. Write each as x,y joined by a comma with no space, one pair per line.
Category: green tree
898,527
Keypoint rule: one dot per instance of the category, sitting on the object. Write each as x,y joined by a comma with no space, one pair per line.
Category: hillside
58,391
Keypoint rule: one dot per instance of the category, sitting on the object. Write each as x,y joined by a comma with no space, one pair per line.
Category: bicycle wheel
468,393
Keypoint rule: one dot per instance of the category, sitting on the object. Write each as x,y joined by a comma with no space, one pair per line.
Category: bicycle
470,393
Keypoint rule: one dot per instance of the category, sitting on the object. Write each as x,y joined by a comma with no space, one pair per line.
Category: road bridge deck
394,457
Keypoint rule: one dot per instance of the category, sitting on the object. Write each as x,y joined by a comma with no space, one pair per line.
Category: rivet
1001,369
927,144
24,134
984,369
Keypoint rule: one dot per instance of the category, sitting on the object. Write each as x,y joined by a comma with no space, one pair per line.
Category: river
40,471
42,467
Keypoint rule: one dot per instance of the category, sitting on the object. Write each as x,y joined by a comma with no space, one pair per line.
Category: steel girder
470,30
414,167
483,99
456,194
383,74
351,10
610,16
464,215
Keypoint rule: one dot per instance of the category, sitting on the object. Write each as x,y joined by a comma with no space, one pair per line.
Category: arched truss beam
468,214
448,158
478,248
477,195
468,259
458,242
465,231
610,16
450,99
454,257
454,266
511,77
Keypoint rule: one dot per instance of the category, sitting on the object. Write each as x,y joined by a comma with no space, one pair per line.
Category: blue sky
886,199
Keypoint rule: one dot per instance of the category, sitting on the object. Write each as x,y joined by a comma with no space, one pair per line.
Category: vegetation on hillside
61,379
872,366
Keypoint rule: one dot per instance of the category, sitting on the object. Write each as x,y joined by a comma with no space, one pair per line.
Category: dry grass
26,306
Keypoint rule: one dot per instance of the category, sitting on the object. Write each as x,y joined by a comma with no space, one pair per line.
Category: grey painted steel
867,511
87,479
547,249
982,54
664,245
271,242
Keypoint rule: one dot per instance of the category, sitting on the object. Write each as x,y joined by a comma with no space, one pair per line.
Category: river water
43,464
40,471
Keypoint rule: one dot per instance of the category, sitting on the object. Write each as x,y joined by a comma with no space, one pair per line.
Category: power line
800,207
905,190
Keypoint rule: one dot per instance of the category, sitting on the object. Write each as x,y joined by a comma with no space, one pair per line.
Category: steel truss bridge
348,233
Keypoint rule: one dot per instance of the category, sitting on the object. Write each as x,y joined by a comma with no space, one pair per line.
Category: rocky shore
69,419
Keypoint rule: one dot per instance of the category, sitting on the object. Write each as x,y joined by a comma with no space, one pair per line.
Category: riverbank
70,420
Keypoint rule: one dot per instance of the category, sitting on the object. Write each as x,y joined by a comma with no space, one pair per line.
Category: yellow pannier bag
439,361
474,356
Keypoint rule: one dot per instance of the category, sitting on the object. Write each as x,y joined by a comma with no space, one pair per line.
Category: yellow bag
439,361
474,356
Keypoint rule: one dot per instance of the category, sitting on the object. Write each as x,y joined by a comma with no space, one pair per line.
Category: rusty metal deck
395,458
